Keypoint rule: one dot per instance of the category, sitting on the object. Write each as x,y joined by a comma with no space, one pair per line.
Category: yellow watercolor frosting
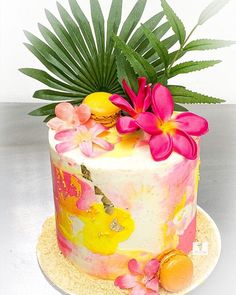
103,232
124,145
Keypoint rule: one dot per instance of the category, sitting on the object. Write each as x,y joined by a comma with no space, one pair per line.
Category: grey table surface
26,196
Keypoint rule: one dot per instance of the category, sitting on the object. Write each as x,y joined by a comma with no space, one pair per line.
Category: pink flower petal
184,145
86,148
138,290
91,123
126,125
134,267
149,123
103,143
82,114
161,146
56,124
97,129
125,282
65,111
152,292
129,91
65,135
162,102
148,99
151,268
153,285
64,147
192,124
123,104
139,100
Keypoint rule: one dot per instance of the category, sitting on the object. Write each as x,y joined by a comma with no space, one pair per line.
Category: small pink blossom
141,102
140,281
170,133
68,116
87,139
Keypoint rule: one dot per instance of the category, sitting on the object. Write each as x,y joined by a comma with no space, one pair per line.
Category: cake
155,203
125,152
119,197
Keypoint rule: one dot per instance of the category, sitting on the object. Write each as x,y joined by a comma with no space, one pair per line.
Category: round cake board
66,278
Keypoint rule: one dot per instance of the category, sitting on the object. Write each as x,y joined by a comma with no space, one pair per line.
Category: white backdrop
25,14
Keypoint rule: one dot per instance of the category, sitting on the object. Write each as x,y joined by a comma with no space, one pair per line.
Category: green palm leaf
48,110
158,33
126,31
50,55
139,64
132,20
192,66
99,29
113,23
48,80
212,9
47,94
174,21
82,58
51,67
179,108
138,37
75,33
185,96
158,46
207,44
151,55
125,71
84,26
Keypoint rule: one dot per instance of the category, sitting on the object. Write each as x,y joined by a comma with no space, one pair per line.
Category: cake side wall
154,210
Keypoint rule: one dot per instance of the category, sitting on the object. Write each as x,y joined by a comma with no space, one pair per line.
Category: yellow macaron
102,109
176,270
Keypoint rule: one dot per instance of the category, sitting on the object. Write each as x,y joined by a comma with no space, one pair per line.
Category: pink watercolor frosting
149,207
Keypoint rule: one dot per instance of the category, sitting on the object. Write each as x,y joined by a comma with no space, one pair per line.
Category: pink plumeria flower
140,281
87,139
141,102
68,116
169,133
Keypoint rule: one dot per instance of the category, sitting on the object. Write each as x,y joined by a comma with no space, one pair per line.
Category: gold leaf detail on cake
108,205
86,173
115,226
102,233
98,191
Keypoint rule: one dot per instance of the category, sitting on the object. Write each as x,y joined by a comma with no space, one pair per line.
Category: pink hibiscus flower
68,116
87,139
141,102
170,133
140,281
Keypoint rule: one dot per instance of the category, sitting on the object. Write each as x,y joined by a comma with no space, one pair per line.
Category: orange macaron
176,270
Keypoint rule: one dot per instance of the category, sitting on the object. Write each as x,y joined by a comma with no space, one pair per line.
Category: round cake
122,205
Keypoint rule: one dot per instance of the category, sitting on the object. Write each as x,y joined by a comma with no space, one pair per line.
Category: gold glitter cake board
65,277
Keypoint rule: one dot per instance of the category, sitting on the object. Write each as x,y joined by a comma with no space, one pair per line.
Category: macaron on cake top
176,270
102,109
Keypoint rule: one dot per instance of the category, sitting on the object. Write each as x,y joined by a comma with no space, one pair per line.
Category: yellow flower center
83,136
167,127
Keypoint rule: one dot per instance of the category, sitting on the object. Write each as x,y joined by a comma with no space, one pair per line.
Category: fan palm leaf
81,58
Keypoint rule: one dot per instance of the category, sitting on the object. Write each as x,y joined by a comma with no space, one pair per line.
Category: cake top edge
148,122
108,123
